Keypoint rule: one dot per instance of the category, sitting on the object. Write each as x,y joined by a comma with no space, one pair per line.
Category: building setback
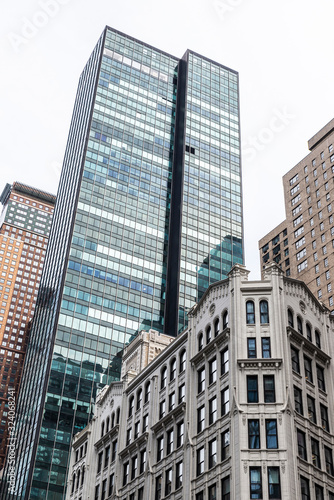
240,405
303,244
24,230
148,215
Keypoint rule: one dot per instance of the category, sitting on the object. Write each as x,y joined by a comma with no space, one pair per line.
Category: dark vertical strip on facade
175,224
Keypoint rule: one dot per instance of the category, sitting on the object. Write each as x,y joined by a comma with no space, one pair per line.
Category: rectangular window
301,441
252,389
266,347
134,465
298,400
311,409
106,456
160,448
158,486
178,475
99,461
104,490
200,380
295,359
308,369
324,417
212,453
225,401
212,370
114,450
315,453
225,444
224,361
226,489
254,434
200,418
111,484
212,410
170,441
171,401
142,461
200,495
251,347
162,408
168,481
125,473
321,378
271,434
182,393
212,492
179,433
200,461
305,488
319,492
255,482
274,485
329,461
269,388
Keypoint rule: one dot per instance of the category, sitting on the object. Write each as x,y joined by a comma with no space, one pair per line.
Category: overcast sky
283,52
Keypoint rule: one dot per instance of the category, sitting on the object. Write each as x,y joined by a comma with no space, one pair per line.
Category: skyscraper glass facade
148,214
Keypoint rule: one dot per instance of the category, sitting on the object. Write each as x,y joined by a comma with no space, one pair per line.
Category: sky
283,52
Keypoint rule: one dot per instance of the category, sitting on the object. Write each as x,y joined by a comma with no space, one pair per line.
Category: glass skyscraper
148,214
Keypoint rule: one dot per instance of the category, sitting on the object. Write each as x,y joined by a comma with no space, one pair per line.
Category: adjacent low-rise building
239,405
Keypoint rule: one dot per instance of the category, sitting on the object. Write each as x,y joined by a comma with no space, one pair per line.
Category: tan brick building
303,244
24,229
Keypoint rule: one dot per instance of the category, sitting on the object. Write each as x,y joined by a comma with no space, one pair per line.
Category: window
299,325
301,441
311,409
162,408
250,312
99,461
179,433
200,495
170,441
125,473
305,488
302,266
200,461
308,332
212,370
225,320
200,418
163,377
216,325
182,393
158,486
200,341
172,369
224,361
97,492
271,434
321,378
274,483
225,444
254,434
264,312
142,461
145,423
255,482
226,488
131,405
114,450
308,369
295,359
251,347
111,484
168,481
212,410
319,492
183,359
324,417
139,399
160,448
265,341
225,401
317,337
212,453
290,318
269,388
128,436
134,465
147,392
137,429
171,401
252,389
315,453
200,380
208,334
298,400
106,456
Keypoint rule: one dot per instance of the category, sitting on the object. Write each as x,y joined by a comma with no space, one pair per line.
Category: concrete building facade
240,405
303,244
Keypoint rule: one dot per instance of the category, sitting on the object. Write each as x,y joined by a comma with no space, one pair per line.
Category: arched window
299,325
73,483
163,377
147,392
183,359
107,425
290,318
102,429
250,312
112,420
78,479
172,373
131,405
264,312
208,334
118,411
217,327
317,338
308,332
200,341
225,320
139,398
